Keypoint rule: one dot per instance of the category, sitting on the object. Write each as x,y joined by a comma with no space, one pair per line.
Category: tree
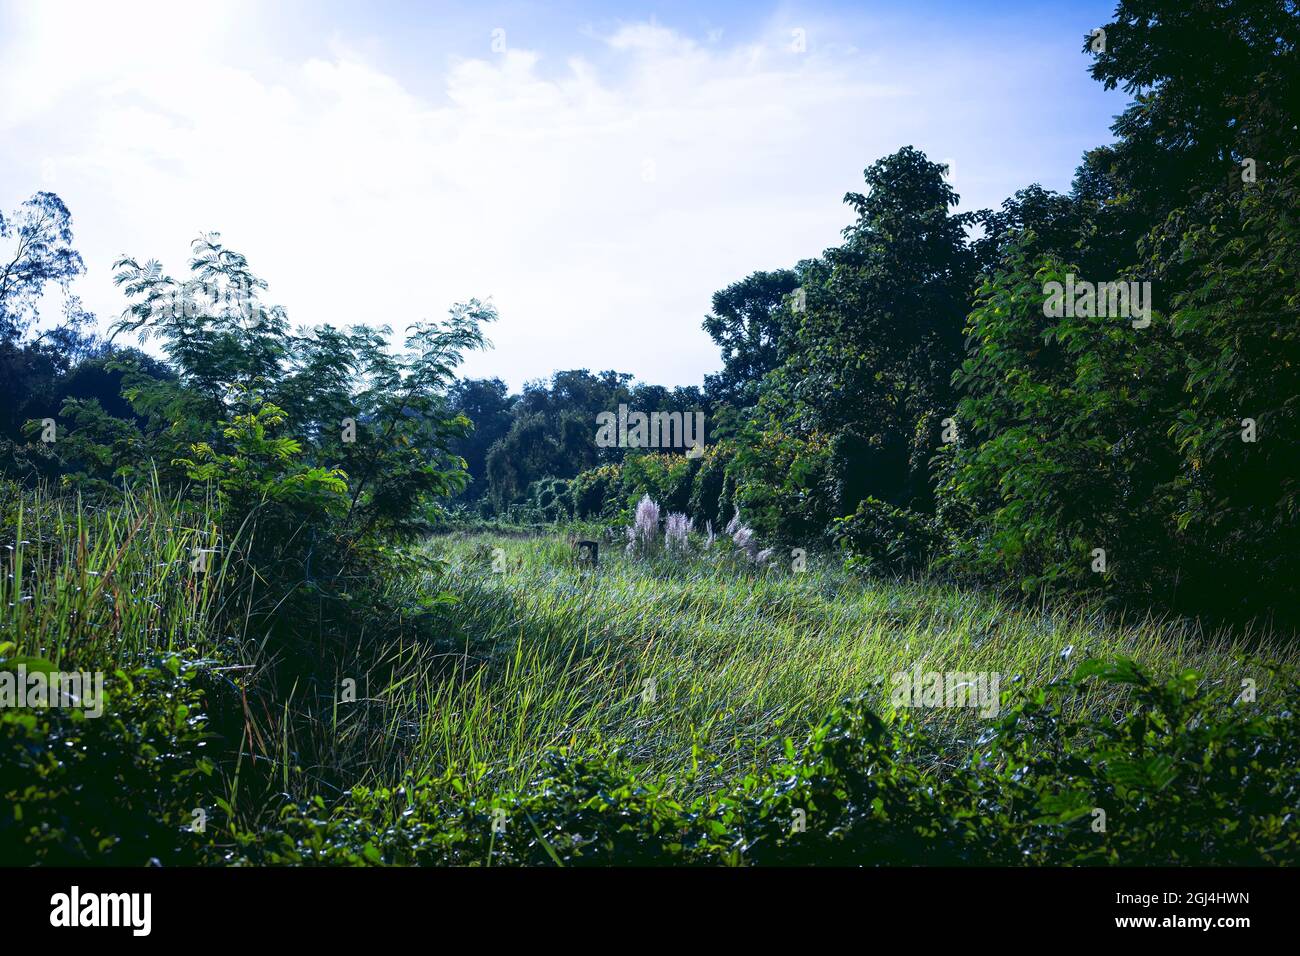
39,234
855,409
485,402
36,252
752,324
353,405
882,331
1236,322
552,432
1063,440
1213,84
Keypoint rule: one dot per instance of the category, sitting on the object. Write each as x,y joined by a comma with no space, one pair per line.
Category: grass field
671,657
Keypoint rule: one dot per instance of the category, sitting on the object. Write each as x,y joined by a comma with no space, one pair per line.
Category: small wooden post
588,552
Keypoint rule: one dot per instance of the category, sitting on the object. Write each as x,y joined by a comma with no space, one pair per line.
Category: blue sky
598,170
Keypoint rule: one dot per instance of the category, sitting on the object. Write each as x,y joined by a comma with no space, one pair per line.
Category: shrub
118,789
885,538
552,498
782,485
1065,446
711,493
595,493
664,477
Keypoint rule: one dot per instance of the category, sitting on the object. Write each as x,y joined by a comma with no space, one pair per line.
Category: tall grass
674,658
95,585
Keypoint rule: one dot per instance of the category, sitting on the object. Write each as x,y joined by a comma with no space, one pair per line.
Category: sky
596,170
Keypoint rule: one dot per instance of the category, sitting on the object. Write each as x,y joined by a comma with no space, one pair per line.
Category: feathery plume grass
643,535
677,529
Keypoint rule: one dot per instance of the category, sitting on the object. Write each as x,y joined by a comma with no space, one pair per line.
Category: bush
595,494
551,498
783,487
118,789
1237,324
711,500
664,477
1064,441
886,538
611,492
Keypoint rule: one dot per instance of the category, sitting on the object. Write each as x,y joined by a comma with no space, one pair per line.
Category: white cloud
361,201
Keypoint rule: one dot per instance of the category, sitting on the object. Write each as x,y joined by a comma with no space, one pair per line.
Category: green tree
1213,84
1064,447
855,410
752,324
354,405
1236,323
36,253
486,403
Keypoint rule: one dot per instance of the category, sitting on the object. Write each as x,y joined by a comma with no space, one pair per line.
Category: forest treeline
909,396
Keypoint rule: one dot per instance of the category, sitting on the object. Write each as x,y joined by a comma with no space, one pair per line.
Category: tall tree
38,252
881,333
